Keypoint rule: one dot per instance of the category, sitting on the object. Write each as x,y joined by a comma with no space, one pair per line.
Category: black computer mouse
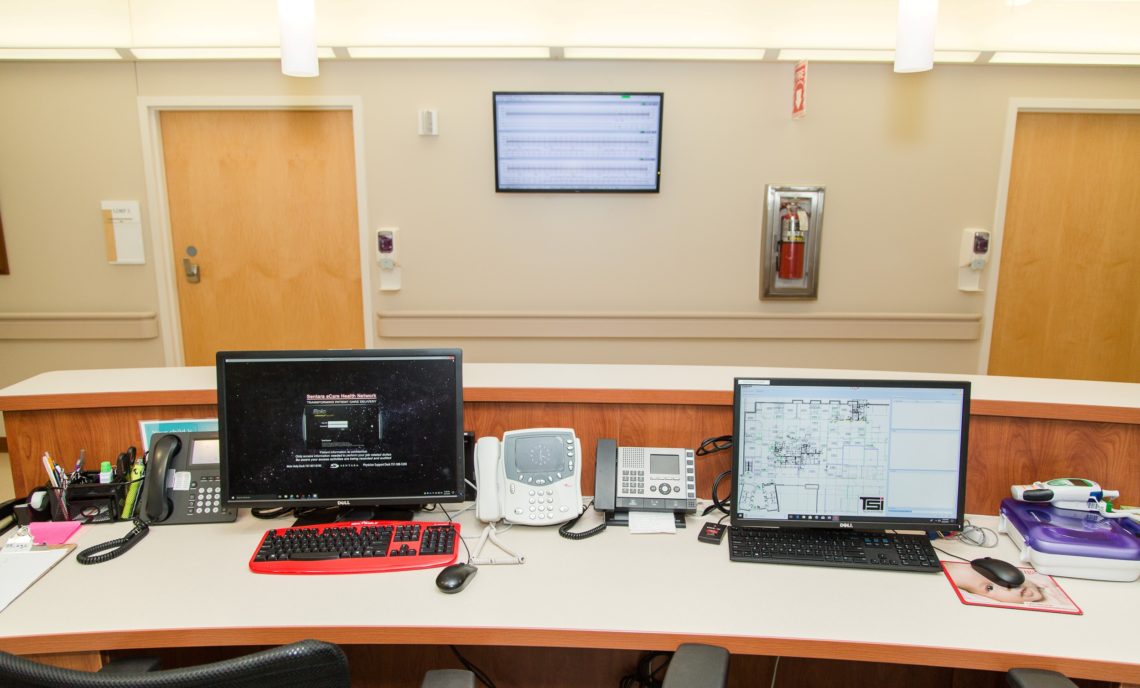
1001,572
455,577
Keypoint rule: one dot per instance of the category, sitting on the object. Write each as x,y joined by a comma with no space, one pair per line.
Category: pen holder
90,501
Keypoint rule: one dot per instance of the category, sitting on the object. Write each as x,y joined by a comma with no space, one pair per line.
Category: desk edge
992,660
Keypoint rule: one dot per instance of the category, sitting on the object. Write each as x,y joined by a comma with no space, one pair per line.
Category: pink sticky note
53,532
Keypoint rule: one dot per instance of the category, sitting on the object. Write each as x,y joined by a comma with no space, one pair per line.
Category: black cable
479,673
950,554
267,513
117,547
645,676
722,504
451,520
564,529
713,445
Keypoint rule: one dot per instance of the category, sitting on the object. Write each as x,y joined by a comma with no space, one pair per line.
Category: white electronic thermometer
1077,494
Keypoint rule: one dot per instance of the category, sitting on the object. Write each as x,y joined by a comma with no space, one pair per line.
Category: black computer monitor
862,454
361,432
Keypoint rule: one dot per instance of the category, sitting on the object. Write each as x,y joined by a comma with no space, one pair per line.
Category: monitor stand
338,514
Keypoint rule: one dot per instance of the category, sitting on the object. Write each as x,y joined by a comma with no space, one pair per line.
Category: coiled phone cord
97,554
564,529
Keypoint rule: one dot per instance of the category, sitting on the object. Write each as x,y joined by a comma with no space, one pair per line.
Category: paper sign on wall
799,91
122,231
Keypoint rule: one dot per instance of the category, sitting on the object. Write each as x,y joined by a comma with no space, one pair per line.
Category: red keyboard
357,547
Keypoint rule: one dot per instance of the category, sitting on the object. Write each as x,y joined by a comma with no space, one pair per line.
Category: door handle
192,271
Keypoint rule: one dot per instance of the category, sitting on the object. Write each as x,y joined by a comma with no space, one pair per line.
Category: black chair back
303,664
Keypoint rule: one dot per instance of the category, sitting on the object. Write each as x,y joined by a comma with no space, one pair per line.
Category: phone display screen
205,453
665,464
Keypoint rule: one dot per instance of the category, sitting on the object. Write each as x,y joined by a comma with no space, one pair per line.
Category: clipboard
19,570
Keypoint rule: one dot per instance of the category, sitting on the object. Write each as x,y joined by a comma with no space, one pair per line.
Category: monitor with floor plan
862,454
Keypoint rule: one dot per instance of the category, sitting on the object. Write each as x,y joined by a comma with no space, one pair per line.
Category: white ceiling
1100,26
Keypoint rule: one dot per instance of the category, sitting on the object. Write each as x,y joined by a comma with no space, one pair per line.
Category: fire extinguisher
793,233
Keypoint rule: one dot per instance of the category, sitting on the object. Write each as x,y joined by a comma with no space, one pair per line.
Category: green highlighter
137,470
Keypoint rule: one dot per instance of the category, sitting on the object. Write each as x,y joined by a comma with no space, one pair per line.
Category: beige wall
908,162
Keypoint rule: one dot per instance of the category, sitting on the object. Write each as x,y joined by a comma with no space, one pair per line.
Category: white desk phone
531,477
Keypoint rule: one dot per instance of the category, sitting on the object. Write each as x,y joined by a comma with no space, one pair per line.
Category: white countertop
183,579
601,376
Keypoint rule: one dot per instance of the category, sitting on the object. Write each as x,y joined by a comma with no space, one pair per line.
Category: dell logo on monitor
343,502
845,525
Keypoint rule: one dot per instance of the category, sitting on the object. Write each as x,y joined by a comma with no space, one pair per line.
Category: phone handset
157,506
487,469
605,474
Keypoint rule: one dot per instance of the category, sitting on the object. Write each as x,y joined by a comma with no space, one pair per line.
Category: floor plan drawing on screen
849,453
805,456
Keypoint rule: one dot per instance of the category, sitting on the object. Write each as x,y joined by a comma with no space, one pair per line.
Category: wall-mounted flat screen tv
578,142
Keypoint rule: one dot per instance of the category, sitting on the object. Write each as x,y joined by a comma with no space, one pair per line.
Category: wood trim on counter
681,397
44,402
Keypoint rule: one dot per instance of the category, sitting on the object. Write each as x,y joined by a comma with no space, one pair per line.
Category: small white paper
126,226
652,522
129,243
181,481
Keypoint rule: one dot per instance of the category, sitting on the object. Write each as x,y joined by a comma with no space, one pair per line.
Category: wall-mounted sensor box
429,122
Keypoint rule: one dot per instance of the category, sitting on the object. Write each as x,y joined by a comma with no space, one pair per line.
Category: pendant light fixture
298,37
914,43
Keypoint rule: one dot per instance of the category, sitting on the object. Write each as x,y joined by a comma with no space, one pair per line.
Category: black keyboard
357,547
843,548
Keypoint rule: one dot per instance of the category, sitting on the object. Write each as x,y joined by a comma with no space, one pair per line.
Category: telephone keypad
205,495
633,481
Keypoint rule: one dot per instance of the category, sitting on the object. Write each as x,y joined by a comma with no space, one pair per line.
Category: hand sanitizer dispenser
387,256
973,256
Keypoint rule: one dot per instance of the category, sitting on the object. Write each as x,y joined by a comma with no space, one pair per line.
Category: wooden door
1068,301
263,204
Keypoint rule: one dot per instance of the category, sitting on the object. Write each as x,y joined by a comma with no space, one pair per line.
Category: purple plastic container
1072,543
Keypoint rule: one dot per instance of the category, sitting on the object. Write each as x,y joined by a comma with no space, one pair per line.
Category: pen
49,466
79,464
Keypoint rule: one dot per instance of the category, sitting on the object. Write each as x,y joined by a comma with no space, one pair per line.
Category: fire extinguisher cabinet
793,224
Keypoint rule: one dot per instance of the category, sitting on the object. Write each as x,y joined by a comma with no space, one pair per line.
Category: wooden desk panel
63,432
1004,450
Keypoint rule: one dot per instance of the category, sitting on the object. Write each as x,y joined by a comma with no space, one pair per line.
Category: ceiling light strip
218,53
662,53
1099,59
823,55
31,54
397,52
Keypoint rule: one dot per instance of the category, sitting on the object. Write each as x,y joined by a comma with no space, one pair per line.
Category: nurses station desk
189,586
